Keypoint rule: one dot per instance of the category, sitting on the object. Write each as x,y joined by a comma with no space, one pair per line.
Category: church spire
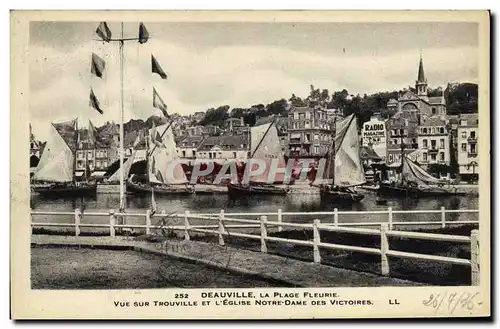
421,83
421,75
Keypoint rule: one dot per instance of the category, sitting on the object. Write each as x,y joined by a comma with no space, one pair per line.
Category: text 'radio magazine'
250,165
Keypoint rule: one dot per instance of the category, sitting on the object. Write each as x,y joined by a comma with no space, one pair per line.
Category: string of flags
98,66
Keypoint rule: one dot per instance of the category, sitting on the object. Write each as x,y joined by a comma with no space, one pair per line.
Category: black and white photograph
252,164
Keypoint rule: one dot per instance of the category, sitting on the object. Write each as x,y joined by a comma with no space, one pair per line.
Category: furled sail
415,173
266,146
347,169
161,166
56,163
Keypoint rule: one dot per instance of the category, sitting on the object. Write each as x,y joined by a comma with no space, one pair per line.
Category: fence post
474,257
443,217
390,218
263,233
148,221
280,219
186,225
384,248
316,241
112,220
78,215
336,217
221,227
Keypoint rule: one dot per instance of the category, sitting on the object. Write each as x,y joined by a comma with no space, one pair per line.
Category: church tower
421,83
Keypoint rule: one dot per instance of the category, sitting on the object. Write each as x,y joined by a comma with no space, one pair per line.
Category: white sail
348,169
126,169
56,163
266,146
415,173
163,155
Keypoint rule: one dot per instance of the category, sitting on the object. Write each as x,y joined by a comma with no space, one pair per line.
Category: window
316,136
464,134
424,157
104,164
401,131
464,147
425,144
194,153
316,149
296,116
306,124
441,143
308,115
433,110
472,134
183,153
433,157
433,144
395,142
234,155
473,148
441,156
433,130
441,130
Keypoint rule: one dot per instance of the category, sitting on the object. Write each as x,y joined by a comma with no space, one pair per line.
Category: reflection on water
262,203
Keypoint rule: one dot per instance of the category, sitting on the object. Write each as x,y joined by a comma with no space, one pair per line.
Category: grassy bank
408,269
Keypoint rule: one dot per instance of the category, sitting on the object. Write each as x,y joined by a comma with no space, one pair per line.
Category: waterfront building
309,132
95,152
187,146
374,136
468,153
433,142
224,147
402,136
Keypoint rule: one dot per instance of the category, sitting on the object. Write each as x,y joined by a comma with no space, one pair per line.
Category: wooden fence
220,223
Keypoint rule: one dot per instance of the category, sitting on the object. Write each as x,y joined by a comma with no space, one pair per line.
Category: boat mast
332,158
122,151
402,159
74,154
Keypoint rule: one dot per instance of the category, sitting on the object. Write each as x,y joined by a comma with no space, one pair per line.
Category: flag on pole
94,102
156,68
158,103
91,137
97,66
103,31
143,34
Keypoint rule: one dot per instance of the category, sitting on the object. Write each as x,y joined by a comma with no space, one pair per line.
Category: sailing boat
55,173
267,147
161,177
344,167
415,182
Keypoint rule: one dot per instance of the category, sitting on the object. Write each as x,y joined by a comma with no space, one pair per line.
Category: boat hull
65,191
167,190
340,197
415,192
245,190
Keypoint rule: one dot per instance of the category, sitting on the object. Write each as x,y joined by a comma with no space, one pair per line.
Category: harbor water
304,203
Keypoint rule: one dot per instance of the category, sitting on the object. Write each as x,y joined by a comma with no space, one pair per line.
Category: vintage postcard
250,164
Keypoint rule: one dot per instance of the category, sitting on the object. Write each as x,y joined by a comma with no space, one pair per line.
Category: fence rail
217,226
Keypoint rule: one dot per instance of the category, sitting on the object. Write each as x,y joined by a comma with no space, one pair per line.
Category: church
418,101
413,109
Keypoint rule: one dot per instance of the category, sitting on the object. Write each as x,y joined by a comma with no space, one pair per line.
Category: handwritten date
450,302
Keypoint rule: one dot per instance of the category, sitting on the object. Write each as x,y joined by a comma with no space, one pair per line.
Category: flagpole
122,191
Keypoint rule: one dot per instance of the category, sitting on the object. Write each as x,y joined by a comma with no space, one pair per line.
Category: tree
216,116
297,101
277,107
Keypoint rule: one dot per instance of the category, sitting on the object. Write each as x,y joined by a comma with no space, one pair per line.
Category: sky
239,64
